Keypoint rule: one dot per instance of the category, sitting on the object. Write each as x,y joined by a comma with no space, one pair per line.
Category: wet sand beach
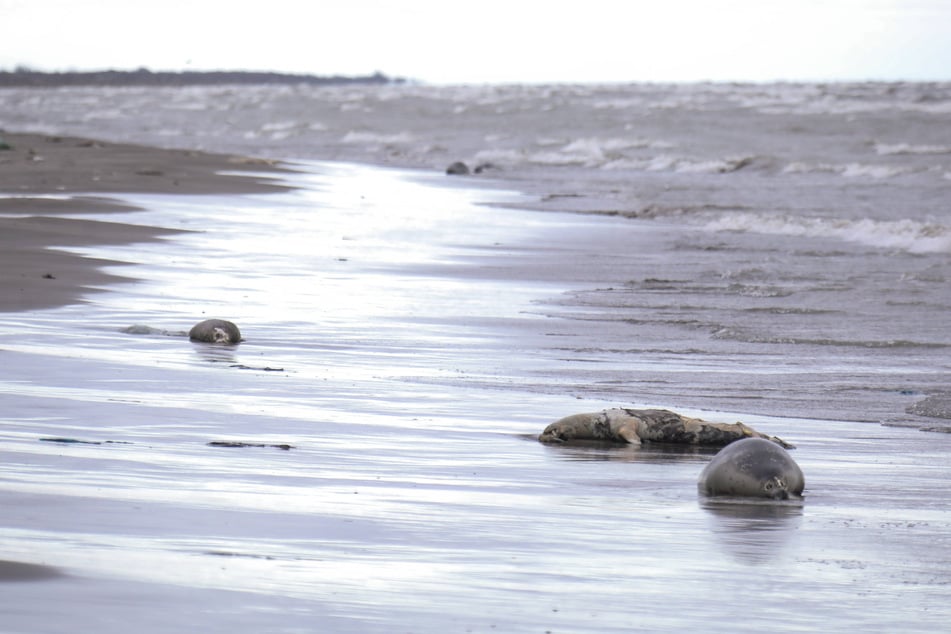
40,177
405,342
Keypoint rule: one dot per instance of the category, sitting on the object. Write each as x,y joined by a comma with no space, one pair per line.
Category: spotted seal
215,331
752,467
636,426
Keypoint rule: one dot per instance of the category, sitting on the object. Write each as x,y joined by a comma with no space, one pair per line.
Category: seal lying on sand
752,467
635,426
215,331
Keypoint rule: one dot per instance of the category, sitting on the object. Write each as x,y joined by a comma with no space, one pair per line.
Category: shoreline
37,198
46,179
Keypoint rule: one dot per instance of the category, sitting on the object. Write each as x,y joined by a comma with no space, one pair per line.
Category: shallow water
408,343
778,249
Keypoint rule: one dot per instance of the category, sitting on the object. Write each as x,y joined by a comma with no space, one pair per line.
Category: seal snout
776,488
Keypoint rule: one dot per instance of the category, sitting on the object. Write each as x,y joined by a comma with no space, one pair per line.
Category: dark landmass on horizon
145,77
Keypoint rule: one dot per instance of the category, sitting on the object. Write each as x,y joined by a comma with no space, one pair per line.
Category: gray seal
215,331
637,426
752,467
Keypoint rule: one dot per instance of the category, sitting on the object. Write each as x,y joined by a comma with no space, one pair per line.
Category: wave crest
905,234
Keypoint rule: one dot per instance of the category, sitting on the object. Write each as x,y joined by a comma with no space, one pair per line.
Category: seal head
752,467
215,331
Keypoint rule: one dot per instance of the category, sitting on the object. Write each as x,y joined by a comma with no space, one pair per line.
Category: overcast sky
446,41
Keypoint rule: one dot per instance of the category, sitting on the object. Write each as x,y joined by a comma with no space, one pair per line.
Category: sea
773,253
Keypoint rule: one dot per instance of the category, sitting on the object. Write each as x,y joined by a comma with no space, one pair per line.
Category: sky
491,41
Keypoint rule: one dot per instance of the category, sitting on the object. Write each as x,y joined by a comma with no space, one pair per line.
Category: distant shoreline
145,77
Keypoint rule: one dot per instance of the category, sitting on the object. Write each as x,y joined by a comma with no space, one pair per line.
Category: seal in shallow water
752,467
635,426
215,331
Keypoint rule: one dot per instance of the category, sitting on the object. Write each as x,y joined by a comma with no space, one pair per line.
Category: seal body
215,331
752,467
636,426
458,169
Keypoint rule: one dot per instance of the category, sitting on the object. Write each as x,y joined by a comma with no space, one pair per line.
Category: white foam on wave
850,170
612,154
587,151
376,138
885,149
908,235
279,130
843,99
501,156
681,164
593,151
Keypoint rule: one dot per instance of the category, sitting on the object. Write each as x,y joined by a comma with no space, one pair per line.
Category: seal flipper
749,432
625,427
628,432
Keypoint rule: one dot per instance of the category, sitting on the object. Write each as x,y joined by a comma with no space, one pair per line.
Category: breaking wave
752,336
377,139
614,154
905,234
885,149
852,170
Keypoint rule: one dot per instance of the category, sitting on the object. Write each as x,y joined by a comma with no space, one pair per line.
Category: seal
215,331
752,467
458,169
636,426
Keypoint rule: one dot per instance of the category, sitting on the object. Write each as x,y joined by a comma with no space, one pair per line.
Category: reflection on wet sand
407,504
753,531
215,354
597,450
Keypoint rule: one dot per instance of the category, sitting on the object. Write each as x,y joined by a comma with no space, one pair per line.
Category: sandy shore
82,174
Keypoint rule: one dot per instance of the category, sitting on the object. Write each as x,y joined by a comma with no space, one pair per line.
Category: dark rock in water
71,441
215,331
242,366
481,167
458,169
237,443
76,441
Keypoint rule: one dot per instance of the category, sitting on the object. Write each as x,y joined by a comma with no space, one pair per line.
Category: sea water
772,253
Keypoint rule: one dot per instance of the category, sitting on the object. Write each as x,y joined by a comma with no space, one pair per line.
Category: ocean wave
886,149
500,156
615,155
681,164
374,138
851,170
586,152
907,235
845,98
279,130
747,335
